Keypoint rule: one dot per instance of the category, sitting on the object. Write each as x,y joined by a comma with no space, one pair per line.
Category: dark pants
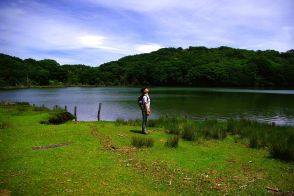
144,121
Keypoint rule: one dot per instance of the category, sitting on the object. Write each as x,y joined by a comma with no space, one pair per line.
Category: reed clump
140,142
173,141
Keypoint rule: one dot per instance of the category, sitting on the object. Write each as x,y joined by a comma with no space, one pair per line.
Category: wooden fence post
75,113
99,110
65,108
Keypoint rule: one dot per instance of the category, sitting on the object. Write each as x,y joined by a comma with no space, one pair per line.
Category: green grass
100,160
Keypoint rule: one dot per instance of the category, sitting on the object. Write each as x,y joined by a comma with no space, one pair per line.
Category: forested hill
194,66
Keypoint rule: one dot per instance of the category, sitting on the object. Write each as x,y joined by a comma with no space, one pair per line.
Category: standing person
144,102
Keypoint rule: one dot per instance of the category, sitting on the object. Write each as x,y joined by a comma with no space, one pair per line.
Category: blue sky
96,31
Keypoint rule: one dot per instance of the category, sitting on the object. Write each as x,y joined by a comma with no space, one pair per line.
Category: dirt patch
50,146
179,180
5,192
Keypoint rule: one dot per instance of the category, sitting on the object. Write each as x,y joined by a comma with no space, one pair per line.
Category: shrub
173,141
59,118
142,142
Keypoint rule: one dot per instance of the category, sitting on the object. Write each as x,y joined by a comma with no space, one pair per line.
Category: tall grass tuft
4,124
142,142
213,129
173,125
189,131
278,139
173,141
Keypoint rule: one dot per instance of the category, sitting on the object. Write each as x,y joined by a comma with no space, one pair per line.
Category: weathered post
99,110
65,108
75,113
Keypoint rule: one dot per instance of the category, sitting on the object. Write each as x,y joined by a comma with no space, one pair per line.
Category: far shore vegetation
42,151
193,66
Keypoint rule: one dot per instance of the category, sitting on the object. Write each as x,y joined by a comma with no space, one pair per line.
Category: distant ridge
194,66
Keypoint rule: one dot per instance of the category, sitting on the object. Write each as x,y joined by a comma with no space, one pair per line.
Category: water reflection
198,103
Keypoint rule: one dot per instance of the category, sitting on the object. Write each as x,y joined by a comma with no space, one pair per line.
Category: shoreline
131,86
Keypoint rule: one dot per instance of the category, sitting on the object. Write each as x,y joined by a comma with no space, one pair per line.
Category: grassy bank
86,158
278,140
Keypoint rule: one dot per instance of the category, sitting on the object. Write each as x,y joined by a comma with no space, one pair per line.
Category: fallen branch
50,146
272,189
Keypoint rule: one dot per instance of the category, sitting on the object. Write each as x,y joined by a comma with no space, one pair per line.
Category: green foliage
173,141
59,117
142,141
194,66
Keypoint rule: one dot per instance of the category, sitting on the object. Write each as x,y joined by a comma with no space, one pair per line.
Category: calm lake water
198,103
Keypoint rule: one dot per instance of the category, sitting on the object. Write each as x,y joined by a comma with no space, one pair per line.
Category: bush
173,141
142,142
59,118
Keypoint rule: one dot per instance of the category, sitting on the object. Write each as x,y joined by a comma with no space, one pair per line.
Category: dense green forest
194,66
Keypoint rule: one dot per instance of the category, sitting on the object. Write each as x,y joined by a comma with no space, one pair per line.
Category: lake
197,103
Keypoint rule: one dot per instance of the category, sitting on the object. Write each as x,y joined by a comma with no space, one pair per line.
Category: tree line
194,66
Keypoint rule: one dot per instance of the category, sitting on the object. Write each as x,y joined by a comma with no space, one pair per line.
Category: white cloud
91,41
106,30
146,48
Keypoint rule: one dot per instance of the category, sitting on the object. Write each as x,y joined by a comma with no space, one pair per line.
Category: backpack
140,101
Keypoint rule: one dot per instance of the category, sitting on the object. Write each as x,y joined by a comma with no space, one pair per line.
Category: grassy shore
86,158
